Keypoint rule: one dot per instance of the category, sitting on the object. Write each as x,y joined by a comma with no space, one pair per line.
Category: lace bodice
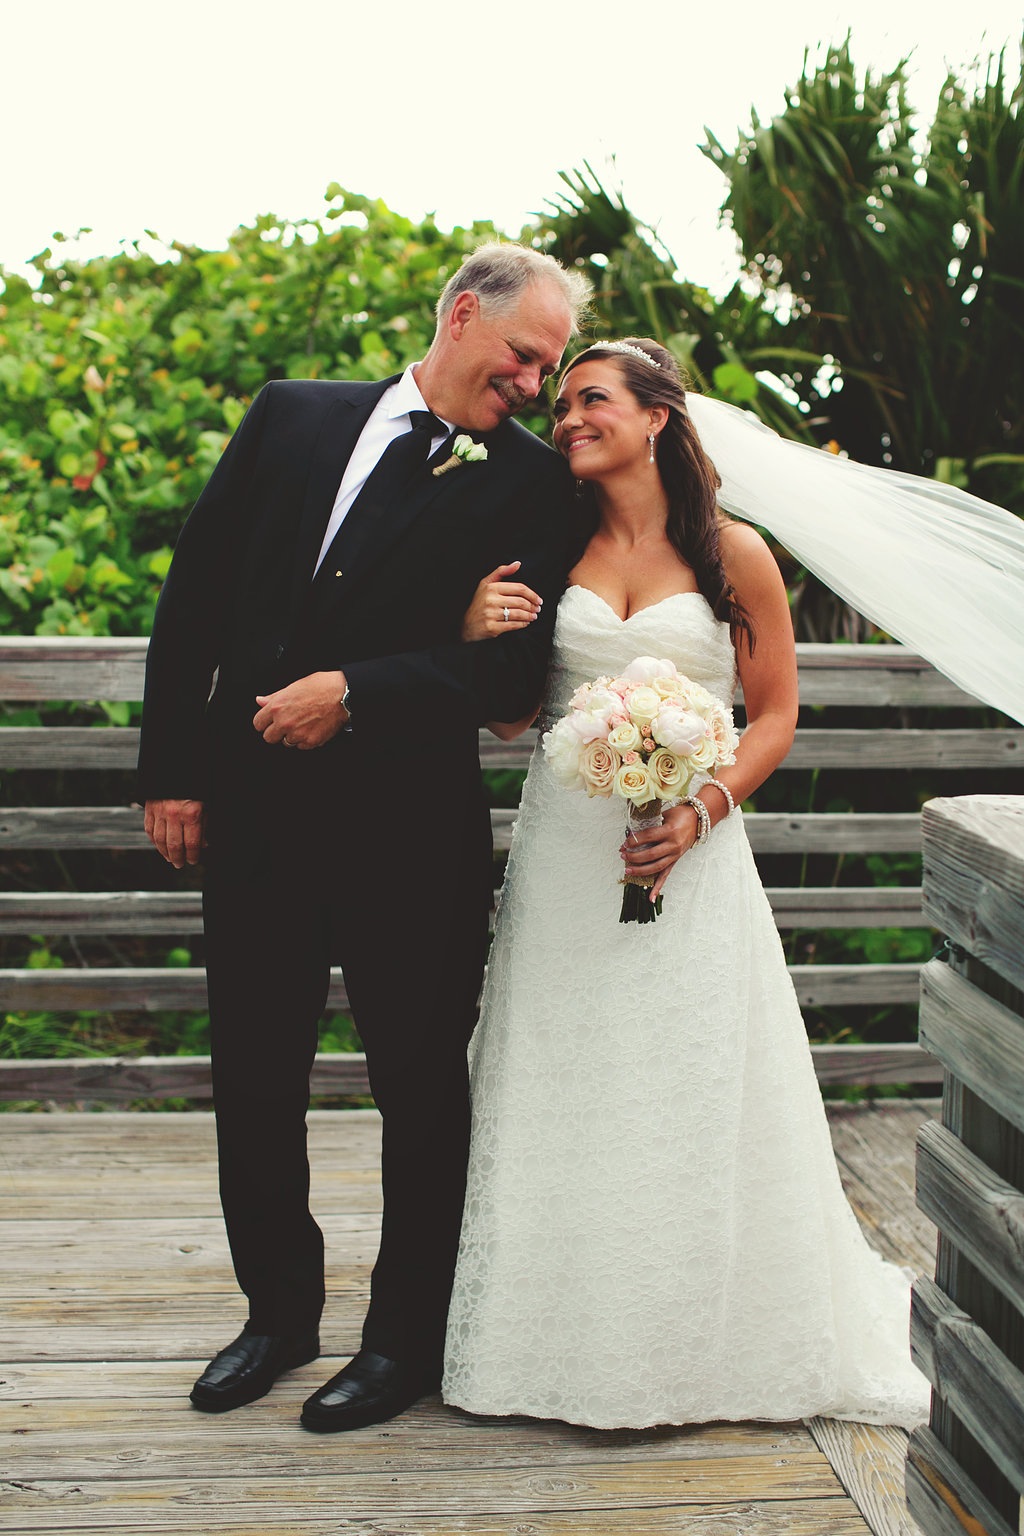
591,640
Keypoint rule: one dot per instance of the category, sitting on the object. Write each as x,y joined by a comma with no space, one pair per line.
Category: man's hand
305,714
177,830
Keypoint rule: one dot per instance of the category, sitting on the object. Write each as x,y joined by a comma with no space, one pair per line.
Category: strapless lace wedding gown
655,1231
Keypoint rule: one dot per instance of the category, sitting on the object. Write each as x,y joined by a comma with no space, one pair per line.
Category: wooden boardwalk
115,1287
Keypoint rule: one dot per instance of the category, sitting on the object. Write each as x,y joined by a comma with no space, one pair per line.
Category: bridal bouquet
643,736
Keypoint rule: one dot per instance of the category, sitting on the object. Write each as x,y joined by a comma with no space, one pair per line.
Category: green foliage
122,378
639,291
894,262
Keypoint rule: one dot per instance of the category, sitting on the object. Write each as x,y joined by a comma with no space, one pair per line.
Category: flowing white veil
938,569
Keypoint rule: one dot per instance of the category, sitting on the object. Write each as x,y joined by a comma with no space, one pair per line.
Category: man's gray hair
498,273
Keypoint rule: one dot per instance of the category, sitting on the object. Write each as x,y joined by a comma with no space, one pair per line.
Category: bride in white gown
655,1230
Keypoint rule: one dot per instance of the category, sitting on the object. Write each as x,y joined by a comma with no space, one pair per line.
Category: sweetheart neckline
577,587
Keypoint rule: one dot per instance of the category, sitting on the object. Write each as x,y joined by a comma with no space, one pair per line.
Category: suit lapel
338,435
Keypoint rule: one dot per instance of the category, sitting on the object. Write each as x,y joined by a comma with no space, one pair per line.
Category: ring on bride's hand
504,613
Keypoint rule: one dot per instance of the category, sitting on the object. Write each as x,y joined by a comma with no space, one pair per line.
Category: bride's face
601,427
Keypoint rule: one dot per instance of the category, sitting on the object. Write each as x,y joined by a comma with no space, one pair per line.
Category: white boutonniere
464,451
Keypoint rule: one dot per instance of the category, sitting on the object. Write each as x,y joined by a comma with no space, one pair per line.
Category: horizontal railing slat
981,1214
120,827
37,667
149,989
978,1039
172,912
975,1379
815,747
82,746
120,1079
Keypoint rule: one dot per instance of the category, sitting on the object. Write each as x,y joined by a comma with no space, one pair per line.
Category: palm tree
901,266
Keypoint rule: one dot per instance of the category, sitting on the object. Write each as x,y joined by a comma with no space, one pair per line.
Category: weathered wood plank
942,1498
874,1148
883,675
981,1214
219,1501
100,912
821,985
120,827
68,746
124,1079
976,1038
971,1375
885,748
72,747
845,906
102,1438
150,989
974,877
119,1080
181,912
869,1459
35,667
889,674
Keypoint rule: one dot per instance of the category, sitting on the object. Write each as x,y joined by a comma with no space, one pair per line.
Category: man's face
500,358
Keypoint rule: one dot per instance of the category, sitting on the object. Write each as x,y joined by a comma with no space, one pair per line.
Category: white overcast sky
192,117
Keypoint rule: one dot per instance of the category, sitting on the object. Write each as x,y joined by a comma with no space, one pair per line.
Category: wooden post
966,1472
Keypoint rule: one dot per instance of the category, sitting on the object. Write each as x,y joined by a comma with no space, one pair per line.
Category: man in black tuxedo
331,785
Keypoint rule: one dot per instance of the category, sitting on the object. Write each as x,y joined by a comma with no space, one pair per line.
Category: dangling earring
650,439
579,490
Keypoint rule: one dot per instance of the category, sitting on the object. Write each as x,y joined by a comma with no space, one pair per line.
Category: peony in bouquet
644,736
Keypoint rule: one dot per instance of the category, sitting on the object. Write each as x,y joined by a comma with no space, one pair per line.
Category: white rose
724,734
562,748
670,776
645,669
633,782
669,685
625,738
699,699
467,449
705,755
599,765
643,704
680,730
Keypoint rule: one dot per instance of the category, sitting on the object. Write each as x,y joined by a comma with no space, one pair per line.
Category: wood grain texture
979,1212
975,1037
54,913
974,877
972,1376
124,1079
120,827
115,1286
942,1498
869,1461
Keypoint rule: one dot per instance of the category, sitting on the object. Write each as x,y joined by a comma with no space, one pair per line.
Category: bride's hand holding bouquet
645,737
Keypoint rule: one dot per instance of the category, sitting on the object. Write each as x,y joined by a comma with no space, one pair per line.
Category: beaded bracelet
703,817
730,802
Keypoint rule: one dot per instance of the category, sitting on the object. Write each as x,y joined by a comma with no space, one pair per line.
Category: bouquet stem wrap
636,905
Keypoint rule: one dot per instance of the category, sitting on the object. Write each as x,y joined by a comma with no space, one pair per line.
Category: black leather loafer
369,1390
248,1368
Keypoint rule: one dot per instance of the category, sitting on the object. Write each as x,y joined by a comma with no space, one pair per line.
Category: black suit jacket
240,602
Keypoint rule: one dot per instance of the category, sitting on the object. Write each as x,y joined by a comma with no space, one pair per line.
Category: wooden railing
884,677
965,1472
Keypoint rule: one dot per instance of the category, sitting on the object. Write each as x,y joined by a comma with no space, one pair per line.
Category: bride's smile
599,426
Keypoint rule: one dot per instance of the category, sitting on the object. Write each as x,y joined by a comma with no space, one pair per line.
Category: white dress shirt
388,420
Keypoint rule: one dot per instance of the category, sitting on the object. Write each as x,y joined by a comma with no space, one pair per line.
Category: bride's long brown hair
690,479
